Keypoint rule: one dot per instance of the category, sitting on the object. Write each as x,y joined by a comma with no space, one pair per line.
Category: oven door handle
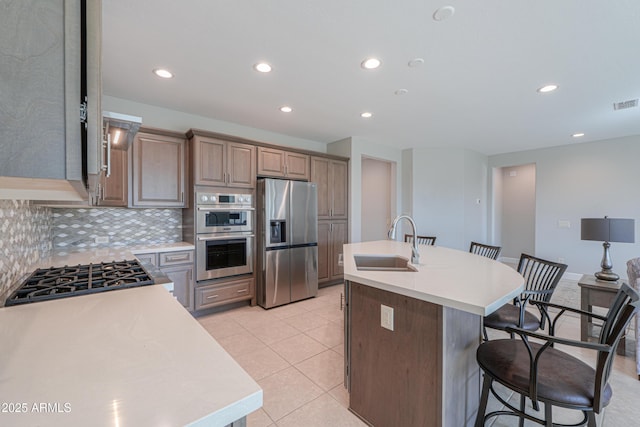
226,237
201,208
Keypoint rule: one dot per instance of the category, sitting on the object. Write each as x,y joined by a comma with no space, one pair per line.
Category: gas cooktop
61,282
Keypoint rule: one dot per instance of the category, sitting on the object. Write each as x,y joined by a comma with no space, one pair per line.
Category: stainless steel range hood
120,129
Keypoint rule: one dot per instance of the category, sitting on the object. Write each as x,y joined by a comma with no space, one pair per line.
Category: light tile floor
295,352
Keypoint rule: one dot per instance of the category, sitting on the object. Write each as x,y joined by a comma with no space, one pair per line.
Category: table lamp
607,230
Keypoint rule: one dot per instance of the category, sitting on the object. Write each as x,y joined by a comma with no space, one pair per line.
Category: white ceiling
476,89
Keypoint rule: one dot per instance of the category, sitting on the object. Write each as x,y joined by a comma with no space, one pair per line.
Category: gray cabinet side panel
32,84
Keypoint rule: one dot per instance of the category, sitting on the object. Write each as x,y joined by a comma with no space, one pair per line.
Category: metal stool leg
482,408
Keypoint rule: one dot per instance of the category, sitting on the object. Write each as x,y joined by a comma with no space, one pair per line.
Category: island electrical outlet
386,317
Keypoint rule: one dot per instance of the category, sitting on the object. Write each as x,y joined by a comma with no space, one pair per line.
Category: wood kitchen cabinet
223,163
223,292
158,170
283,164
113,190
178,267
331,178
331,236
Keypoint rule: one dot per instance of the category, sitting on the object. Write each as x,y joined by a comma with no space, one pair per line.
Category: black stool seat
563,380
509,315
534,368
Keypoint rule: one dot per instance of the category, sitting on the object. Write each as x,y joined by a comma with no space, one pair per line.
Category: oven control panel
223,199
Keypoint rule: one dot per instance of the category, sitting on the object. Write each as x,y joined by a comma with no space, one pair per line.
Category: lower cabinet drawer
148,258
225,293
177,257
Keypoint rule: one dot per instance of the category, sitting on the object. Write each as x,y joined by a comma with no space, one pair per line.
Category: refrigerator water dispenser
278,231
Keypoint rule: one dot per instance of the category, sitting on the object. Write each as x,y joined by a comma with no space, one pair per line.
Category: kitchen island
411,336
130,357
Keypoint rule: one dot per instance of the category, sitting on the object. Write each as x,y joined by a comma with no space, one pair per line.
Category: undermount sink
383,263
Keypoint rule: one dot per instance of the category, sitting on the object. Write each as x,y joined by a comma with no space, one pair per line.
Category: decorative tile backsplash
78,229
25,237
29,233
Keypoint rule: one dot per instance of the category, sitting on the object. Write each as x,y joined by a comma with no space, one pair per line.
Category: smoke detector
632,103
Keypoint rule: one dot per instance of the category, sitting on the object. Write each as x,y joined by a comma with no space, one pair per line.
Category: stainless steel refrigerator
287,241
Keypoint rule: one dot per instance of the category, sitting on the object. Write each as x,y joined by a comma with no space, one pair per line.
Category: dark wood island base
423,373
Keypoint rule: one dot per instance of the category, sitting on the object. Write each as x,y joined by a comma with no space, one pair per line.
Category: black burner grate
60,282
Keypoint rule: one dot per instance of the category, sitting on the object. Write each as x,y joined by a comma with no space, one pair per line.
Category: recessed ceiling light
161,72
577,135
415,62
443,13
370,63
547,88
286,109
262,67
366,115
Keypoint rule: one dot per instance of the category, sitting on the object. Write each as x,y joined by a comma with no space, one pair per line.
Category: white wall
163,118
356,149
445,186
476,198
583,181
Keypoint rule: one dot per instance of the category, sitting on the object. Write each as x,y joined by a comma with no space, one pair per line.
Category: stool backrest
485,250
622,310
422,240
540,275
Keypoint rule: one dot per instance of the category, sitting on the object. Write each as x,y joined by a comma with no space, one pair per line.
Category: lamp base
606,276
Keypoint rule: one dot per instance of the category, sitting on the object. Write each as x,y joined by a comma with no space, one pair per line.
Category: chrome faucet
415,255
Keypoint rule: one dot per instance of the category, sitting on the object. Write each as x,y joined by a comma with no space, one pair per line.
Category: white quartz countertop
447,277
131,357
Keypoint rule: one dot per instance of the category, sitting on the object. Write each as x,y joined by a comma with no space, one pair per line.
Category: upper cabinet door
210,161
271,162
339,181
158,170
320,176
332,182
223,163
297,166
283,164
241,165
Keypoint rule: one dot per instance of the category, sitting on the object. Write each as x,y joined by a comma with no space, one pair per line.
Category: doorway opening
378,198
514,210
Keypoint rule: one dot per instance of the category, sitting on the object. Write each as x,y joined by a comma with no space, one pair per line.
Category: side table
596,293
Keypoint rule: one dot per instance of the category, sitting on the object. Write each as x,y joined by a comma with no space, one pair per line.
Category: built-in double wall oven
224,235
